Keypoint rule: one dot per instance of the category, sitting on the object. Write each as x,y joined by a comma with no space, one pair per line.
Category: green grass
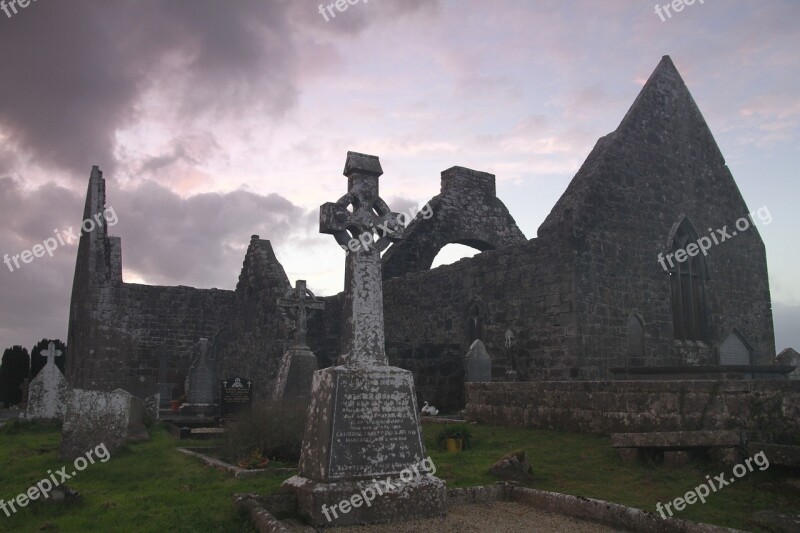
151,487
146,487
586,465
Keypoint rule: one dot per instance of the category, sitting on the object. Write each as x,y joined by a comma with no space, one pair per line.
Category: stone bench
673,447
777,454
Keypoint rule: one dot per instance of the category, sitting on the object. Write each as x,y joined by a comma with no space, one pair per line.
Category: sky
213,121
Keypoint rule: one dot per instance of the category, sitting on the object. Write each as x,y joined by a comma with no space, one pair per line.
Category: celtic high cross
360,215
298,302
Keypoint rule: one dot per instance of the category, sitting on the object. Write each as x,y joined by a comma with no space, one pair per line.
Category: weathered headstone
95,417
236,396
479,364
47,393
298,363
151,406
200,385
363,420
790,357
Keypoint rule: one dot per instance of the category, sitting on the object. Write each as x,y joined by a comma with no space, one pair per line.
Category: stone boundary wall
766,410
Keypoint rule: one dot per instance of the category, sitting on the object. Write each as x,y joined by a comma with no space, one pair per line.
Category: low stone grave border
441,420
778,454
262,509
238,473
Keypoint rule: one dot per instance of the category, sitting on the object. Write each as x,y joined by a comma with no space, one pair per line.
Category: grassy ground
147,487
151,487
586,465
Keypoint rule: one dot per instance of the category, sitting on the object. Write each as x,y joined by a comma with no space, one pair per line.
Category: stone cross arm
51,353
361,211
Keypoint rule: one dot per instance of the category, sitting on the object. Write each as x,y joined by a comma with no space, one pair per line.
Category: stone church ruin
584,300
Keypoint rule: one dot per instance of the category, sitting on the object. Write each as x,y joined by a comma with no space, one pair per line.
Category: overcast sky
216,120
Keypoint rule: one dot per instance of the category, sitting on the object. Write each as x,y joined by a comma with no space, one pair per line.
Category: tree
38,361
13,371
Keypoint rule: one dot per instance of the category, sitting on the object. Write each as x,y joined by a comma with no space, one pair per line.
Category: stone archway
467,211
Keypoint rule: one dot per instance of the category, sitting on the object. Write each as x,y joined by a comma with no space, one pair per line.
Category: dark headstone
295,375
201,378
479,364
165,391
298,363
367,426
236,396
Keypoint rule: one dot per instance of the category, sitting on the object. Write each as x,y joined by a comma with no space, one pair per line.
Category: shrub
458,431
273,430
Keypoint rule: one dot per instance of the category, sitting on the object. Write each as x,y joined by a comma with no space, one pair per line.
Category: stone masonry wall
467,211
767,410
134,326
620,211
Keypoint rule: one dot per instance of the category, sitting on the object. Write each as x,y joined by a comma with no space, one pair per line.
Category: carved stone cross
296,302
50,354
363,335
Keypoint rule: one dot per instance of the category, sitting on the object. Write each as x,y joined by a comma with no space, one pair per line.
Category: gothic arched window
688,283
475,314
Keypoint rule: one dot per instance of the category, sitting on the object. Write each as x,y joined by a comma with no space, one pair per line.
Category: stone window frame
638,317
690,324
475,303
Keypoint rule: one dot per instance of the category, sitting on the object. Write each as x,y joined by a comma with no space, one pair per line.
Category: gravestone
363,420
790,357
23,401
200,385
47,393
479,364
236,396
151,406
298,363
165,389
95,417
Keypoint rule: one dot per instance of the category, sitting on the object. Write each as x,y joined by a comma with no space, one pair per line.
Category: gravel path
494,517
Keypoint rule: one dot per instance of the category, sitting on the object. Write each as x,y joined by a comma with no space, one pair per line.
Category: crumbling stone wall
768,410
257,335
556,307
119,332
467,211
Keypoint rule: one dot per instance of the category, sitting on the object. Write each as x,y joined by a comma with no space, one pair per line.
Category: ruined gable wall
258,332
662,163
